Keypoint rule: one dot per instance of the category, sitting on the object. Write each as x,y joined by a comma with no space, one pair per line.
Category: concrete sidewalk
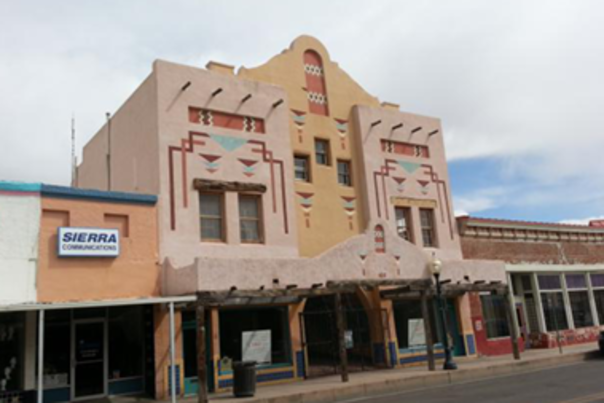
372,383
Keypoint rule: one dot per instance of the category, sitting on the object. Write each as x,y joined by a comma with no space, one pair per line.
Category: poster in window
349,339
417,334
256,346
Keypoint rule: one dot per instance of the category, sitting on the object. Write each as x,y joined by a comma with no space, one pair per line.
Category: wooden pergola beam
448,290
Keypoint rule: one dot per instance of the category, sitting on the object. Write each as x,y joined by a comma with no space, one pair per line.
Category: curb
423,380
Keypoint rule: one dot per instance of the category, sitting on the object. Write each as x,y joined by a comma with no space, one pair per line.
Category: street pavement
575,383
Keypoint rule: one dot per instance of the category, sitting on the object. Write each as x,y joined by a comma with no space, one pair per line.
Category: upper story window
344,173
211,215
322,152
302,168
250,221
428,232
403,223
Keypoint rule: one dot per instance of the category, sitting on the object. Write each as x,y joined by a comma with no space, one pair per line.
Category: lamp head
436,267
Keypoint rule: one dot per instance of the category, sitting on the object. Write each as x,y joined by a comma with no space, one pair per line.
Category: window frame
553,308
305,157
350,178
488,305
223,229
408,217
326,153
259,219
432,228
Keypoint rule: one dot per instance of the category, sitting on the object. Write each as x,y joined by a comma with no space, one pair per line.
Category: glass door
89,359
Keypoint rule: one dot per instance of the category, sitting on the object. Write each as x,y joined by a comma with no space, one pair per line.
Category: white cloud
519,80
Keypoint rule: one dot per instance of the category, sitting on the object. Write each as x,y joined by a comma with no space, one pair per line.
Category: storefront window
125,342
495,319
579,300
553,302
189,339
554,311
268,327
599,297
410,323
11,351
57,349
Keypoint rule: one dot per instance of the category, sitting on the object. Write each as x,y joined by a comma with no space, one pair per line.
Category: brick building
556,272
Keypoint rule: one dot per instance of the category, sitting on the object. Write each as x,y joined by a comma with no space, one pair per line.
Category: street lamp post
436,268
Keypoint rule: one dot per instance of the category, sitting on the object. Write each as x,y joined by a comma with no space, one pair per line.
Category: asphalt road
577,383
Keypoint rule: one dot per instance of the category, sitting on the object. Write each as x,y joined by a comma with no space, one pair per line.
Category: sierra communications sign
88,242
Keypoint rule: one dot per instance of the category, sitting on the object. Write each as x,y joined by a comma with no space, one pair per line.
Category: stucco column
592,300
297,349
566,299
537,292
465,322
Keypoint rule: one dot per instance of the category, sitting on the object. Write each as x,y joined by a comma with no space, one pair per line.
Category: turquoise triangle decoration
410,167
227,142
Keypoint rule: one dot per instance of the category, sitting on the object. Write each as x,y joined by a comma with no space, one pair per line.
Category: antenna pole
74,163
108,115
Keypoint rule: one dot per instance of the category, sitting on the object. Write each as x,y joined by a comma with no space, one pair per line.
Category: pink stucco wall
380,169
343,262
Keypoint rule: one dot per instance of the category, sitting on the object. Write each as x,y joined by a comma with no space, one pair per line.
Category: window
427,223
597,282
12,351
57,347
211,216
493,312
126,330
250,219
301,167
410,323
322,151
236,324
553,302
403,223
579,300
344,174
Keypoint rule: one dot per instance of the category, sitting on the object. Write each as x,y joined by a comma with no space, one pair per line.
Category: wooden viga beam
219,297
416,284
447,290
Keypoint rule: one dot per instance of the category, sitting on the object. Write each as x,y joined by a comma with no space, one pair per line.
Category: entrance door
89,352
458,346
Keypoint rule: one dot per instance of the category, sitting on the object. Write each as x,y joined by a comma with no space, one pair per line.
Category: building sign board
256,346
88,242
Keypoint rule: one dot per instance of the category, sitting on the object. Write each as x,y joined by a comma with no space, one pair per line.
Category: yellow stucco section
327,223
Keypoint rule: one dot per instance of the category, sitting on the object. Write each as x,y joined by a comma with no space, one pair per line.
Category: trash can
244,378
601,343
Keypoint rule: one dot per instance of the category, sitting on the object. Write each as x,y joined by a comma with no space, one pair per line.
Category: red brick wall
534,252
484,346
567,337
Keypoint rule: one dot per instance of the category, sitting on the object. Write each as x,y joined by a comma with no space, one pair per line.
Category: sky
517,84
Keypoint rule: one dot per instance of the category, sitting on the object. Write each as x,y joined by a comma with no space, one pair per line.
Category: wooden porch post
341,337
428,331
202,376
511,326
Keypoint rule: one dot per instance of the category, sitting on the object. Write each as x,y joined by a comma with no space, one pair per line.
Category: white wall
19,234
